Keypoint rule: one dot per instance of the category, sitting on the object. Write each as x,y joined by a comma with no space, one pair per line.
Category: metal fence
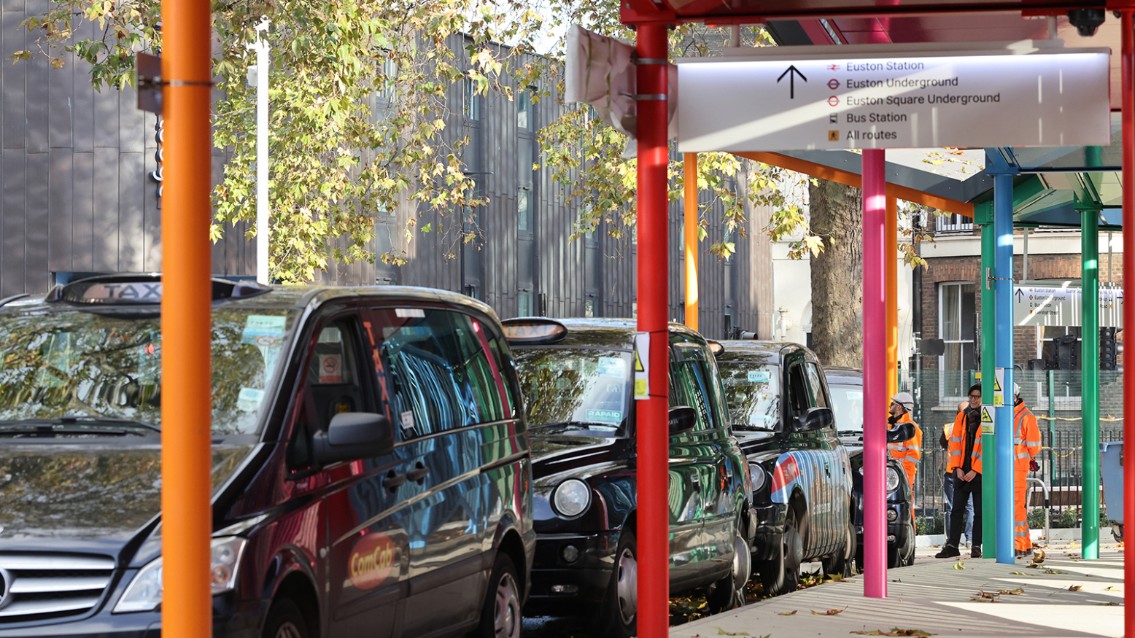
1054,397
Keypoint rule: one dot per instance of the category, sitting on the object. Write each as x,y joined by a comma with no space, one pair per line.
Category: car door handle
418,474
393,480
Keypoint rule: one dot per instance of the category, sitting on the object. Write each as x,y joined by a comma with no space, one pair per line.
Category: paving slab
1061,596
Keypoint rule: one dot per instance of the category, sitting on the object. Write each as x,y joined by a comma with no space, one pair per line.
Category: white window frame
943,286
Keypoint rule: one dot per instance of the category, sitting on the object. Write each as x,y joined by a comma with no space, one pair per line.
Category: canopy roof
1053,185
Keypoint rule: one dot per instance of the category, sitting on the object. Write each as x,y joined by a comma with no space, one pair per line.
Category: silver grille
41,586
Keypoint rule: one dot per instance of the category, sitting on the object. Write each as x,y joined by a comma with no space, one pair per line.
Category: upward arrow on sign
1020,293
791,72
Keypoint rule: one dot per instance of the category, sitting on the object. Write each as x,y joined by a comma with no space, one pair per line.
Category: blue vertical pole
1003,313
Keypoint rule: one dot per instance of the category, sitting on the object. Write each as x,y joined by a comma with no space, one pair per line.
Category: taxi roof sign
533,330
140,289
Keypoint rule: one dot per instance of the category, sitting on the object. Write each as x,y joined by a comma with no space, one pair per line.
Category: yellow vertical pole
890,272
187,604
690,235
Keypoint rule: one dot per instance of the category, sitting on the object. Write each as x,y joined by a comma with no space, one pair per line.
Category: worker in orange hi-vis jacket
908,452
1026,445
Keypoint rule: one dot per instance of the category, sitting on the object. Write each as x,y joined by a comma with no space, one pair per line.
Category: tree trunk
837,274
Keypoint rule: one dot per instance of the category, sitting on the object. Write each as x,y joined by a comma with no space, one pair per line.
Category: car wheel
901,553
620,616
285,620
842,563
729,592
500,613
782,574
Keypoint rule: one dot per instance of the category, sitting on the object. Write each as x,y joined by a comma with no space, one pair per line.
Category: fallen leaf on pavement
722,632
1012,592
1018,574
959,565
830,612
786,613
895,631
1054,571
1074,587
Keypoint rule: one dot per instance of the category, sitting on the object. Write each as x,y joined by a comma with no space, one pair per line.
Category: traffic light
1108,351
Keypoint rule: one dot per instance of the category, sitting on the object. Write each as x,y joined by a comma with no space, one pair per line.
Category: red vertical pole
874,375
187,604
1127,29
653,432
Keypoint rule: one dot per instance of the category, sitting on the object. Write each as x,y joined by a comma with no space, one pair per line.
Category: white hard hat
904,399
1016,390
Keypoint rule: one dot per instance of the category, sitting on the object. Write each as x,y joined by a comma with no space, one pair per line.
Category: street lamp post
262,48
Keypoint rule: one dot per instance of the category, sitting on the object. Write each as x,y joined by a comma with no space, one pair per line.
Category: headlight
571,498
758,476
145,590
892,479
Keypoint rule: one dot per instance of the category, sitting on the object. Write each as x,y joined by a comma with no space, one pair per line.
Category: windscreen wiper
75,426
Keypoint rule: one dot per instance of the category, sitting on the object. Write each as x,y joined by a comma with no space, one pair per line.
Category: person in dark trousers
964,462
948,477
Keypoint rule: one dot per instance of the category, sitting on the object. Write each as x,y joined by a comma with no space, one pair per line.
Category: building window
524,200
957,324
524,111
524,304
472,100
389,79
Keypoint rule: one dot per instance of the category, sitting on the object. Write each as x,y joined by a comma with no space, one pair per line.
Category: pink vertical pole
874,375
651,421
1127,29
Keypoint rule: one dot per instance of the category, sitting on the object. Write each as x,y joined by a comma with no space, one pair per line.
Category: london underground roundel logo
373,559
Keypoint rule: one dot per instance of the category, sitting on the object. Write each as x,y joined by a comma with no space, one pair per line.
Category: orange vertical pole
690,235
187,603
652,432
890,271
1127,30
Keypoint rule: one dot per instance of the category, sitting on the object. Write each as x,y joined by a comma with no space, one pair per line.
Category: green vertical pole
984,217
1090,381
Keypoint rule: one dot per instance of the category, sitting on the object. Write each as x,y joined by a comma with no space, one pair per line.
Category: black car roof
291,296
612,333
846,376
763,351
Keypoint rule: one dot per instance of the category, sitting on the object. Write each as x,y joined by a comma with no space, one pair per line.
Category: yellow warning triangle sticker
638,362
986,417
996,384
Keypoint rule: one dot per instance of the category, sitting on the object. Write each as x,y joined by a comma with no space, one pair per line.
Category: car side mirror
682,419
351,436
901,432
815,419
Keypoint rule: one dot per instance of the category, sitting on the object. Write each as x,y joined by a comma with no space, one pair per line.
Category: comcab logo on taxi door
373,560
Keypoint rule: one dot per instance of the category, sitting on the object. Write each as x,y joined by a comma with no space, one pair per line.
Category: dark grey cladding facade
80,195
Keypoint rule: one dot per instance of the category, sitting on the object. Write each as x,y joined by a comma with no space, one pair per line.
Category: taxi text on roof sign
850,97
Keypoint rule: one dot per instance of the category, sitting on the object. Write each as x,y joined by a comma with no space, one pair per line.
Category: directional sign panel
830,100
1052,306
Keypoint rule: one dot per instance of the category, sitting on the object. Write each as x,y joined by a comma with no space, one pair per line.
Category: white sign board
836,99
1053,306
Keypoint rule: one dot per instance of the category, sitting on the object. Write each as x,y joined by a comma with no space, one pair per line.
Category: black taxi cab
782,417
422,525
577,380
846,386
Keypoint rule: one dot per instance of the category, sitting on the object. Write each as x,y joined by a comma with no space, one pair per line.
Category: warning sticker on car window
249,399
612,367
266,331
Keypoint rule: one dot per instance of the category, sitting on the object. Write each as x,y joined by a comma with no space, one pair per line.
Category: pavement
1061,596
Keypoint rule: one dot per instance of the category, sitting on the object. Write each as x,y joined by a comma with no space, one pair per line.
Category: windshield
100,365
752,392
584,386
847,404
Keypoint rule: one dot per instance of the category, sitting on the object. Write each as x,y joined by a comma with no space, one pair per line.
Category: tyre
500,612
842,563
729,592
902,553
781,574
285,620
620,613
